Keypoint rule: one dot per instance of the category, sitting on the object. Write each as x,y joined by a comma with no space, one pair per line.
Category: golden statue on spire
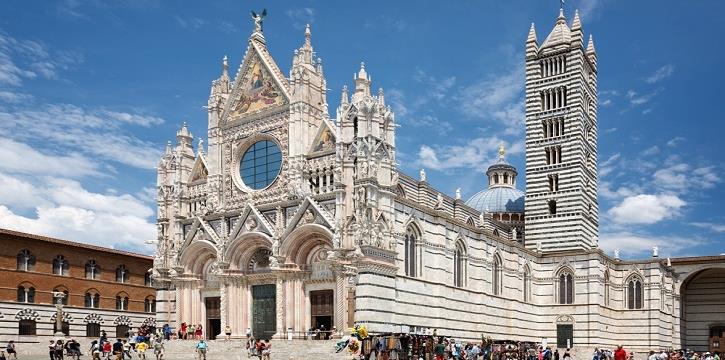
501,151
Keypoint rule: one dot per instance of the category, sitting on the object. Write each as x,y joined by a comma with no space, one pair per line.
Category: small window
26,260
121,302
60,266
122,274
92,300
147,279
634,294
26,294
496,275
26,327
552,207
93,330
149,305
93,271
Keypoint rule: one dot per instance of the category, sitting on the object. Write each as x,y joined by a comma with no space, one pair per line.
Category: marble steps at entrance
235,349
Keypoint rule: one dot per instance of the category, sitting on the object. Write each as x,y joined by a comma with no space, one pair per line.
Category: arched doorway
703,311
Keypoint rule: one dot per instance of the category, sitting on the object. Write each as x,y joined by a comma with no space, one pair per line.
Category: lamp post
59,296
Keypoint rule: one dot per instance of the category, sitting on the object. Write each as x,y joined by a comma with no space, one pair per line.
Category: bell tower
561,140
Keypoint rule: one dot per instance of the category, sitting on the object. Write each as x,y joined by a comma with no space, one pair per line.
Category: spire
344,98
590,45
560,34
591,53
381,96
576,30
305,54
183,136
532,45
308,36
225,67
362,84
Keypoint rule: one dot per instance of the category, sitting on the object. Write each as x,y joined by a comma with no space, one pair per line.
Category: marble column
280,302
224,305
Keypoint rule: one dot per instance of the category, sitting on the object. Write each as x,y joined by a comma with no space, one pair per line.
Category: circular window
260,164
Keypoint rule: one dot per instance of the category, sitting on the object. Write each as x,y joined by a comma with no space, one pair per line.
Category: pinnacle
576,24
590,45
532,34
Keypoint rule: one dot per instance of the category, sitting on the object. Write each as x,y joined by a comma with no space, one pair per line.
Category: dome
498,199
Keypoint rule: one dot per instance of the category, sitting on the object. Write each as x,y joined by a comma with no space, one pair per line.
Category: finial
576,24
422,174
501,151
561,5
590,45
458,194
655,251
225,65
616,254
201,145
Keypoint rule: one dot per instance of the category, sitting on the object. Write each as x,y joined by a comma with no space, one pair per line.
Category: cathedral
287,219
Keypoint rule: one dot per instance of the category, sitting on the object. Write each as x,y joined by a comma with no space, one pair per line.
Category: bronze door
264,311
213,317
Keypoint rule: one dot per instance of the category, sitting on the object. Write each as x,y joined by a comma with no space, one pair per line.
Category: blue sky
90,91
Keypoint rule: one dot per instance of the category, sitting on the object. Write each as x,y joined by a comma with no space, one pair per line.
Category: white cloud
227,27
637,99
473,154
634,245
653,150
17,157
679,177
608,165
499,99
386,22
301,17
710,226
193,23
14,97
619,193
93,132
646,209
64,208
675,141
27,59
660,74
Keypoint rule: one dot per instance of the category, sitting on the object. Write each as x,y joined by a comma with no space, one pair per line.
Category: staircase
236,350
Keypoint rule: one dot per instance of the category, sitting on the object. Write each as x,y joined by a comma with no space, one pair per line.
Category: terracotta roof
72,243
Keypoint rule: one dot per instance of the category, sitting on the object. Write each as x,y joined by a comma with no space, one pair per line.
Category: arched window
147,279
411,249
62,290
149,305
92,299
459,265
566,288
635,293
93,271
60,266
26,294
122,301
122,274
26,327
64,327
527,284
606,288
26,260
496,275
122,331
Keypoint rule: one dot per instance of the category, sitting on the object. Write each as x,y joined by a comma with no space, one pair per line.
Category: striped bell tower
561,140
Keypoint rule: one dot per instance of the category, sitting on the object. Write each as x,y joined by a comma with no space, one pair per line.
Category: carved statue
514,234
458,194
373,169
422,174
275,246
258,19
336,239
439,201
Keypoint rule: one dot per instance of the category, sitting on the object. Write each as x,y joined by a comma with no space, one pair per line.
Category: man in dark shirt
118,349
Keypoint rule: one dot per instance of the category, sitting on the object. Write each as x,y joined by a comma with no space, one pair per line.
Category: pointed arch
400,191
460,261
607,286
526,291
634,292
196,255
413,249
470,221
564,286
302,240
496,274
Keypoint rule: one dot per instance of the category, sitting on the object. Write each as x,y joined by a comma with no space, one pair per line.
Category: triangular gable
191,234
259,84
308,206
199,171
251,219
325,138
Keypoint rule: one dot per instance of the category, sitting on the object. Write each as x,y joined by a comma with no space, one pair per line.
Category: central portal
322,311
264,311
213,317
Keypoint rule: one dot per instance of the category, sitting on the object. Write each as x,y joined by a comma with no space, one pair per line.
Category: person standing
118,349
159,348
126,349
141,349
556,354
59,350
190,332
201,348
267,351
227,332
11,349
567,355
198,331
620,354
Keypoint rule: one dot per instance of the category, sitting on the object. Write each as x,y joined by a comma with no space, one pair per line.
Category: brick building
105,289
